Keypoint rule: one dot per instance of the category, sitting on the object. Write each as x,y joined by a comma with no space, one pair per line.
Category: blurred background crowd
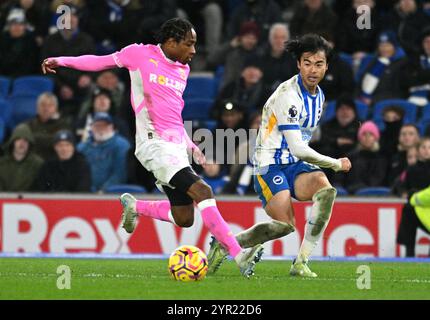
74,131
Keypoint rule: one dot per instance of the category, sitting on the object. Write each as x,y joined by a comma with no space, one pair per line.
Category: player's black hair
175,28
309,43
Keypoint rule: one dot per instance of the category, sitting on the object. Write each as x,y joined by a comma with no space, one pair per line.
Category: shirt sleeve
128,56
287,113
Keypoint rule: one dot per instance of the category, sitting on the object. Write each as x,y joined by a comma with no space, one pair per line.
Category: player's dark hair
309,43
175,28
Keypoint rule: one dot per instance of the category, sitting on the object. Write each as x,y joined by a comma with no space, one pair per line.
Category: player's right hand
48,65
346,164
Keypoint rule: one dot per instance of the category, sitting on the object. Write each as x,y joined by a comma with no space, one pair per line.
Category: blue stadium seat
2,130
197,109
32,85
219,74
23,108
373,191
341,191
426,112
4,87
330,111
409,108
122,188
422,125
5,110
200,87
363,65
346,58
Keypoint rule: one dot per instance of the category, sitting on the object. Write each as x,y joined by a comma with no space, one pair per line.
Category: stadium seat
32,85
409,108
197,109
4,87
5,110
23,108
341,191
200,87
346,58
426,113
219,73
122,188
363,65
373,191
330,111
2,130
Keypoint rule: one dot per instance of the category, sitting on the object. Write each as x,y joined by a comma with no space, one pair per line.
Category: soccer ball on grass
188,263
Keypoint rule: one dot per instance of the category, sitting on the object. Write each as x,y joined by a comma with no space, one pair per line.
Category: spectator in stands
68,172
20,165
263,12
406,20
313,16
69,42
354,41
241,171
46,123
339,135
151,16
106,152
113,23
393,120
232,116
339,78
368,164
381,77
417,178
277,63
411,159
36,14
214,175
416,75
106,80
232,54
409,137
101,102
19,53
247,91
210,12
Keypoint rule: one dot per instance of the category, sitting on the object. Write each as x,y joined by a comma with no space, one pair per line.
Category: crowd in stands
78,136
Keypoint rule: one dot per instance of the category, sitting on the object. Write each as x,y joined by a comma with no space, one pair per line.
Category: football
188,263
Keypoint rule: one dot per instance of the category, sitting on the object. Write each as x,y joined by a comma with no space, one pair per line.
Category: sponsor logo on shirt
162,80
154,62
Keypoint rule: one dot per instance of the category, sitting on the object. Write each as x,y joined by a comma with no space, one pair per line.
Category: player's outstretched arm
82,63
302,151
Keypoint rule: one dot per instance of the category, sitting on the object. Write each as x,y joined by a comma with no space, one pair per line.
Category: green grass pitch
22,278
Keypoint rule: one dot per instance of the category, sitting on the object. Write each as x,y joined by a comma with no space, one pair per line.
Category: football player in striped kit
285,166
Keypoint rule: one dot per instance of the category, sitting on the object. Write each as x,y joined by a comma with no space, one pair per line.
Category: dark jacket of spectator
338,80
18,56
263,12
44,132
331,131
407,26
417,177
19,175
71,175
321,21
350,39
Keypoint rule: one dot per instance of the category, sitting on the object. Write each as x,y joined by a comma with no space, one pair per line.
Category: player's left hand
199,157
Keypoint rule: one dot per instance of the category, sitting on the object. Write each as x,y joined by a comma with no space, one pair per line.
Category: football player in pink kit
158,76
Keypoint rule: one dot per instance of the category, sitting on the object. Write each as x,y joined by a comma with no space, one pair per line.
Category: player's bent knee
185,222
203,192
